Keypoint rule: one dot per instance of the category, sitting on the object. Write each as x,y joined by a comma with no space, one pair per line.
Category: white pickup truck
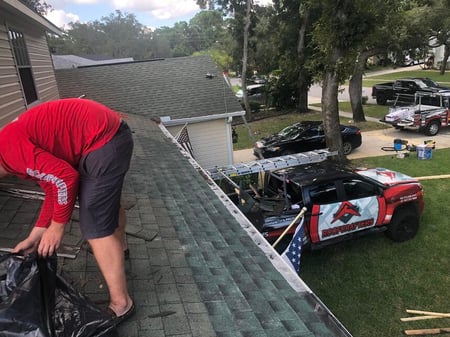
429,113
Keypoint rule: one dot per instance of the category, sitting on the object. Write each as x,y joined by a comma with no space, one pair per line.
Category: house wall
438,53
12,101
41,61
209,142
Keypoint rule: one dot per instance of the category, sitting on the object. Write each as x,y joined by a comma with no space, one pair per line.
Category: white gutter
167,121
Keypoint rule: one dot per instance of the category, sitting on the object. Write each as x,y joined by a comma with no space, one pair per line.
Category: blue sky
152,13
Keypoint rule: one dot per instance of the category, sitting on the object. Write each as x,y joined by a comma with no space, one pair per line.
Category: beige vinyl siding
41,63
209,142
12,102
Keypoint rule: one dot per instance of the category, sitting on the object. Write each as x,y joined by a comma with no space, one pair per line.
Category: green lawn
368,283
371,110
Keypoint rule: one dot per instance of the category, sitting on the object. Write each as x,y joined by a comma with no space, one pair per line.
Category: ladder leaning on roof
270,164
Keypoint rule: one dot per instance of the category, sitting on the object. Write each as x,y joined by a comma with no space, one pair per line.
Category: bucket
424,152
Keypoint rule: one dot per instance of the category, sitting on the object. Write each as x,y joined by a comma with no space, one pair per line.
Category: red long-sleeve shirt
46,144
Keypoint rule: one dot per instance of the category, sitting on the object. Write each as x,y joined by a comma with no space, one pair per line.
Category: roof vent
209,75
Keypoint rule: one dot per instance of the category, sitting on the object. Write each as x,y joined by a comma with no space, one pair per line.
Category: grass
368,283
371,110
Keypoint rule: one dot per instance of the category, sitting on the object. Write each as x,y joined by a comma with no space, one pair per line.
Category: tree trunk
303,82
355,88
445,59
330,105
244,62
302,105
330,114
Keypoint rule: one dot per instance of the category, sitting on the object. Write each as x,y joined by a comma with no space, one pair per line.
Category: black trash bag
24,304
35,301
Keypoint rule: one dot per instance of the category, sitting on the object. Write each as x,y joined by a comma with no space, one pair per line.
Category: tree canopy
40,7
122,35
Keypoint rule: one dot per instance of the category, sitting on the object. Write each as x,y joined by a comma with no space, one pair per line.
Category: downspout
229,140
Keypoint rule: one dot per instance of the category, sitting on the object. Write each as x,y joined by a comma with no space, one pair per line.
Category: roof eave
18,8
167,121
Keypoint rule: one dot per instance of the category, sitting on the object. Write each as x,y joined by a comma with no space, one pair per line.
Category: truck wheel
381,100
432,128
404,225
347,148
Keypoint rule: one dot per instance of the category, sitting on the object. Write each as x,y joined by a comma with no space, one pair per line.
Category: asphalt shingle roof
194,270
74,61
175,87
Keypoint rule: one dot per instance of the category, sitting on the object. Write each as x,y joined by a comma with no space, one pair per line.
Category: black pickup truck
403,90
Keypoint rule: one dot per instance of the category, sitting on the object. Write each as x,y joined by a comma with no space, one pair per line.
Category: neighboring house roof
17,8
74,61
99,57
183,87
198,267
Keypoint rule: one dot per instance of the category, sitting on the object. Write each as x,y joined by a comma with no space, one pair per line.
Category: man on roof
75,148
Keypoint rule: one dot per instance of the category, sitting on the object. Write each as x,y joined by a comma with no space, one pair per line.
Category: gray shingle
147,87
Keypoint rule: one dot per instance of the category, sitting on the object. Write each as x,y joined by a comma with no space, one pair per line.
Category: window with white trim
23,64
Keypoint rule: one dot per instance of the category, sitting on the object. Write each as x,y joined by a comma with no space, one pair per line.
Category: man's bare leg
109,255
120,231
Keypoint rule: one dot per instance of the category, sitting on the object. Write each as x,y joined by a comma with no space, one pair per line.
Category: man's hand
51,239
31,243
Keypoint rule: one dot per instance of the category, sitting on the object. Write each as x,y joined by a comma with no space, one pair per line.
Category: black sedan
302,137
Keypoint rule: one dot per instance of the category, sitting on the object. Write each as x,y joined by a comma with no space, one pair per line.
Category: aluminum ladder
270,164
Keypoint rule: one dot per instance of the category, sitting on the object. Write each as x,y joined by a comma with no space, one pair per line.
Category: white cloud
162,10
86,2
64,3
61,19
264,2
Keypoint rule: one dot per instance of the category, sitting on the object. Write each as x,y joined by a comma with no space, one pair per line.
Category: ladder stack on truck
274,163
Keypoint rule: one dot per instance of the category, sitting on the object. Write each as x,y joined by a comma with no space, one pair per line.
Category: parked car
304,136
340,202
256,80
255,93
409,61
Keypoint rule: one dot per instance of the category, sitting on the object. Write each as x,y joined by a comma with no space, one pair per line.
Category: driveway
374,141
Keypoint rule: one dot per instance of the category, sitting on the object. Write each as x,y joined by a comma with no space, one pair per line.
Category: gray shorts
102,173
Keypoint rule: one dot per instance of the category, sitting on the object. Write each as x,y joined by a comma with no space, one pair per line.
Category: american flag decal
182,137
